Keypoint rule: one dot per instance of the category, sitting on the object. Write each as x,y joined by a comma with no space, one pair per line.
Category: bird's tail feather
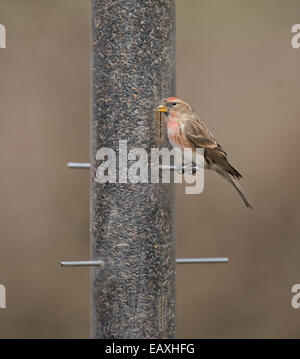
238,188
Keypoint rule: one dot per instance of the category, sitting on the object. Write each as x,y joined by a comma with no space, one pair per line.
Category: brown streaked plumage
185,130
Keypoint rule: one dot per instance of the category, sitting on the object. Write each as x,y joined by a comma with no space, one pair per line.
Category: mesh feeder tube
132,225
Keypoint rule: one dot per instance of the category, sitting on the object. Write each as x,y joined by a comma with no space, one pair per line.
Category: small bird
185,130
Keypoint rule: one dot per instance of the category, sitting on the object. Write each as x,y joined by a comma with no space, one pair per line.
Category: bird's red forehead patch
172,98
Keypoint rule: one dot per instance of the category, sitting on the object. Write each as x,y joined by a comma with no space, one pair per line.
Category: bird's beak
162,108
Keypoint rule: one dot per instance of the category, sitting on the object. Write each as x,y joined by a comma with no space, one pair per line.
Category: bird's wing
198,135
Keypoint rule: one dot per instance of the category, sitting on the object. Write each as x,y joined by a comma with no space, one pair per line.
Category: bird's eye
174,103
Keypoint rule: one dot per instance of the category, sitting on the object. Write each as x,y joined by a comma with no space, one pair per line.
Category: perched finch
185,130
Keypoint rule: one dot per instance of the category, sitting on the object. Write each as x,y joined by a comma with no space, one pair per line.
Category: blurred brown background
235,64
